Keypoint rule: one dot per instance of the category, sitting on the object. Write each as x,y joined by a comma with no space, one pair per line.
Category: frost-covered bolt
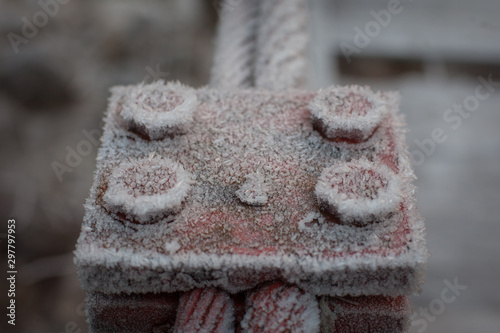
359,192
253,191
156,111
147,190
349,114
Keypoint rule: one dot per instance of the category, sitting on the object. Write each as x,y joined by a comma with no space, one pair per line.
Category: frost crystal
359,192
145,190
347,113
157,110
253,191
205,310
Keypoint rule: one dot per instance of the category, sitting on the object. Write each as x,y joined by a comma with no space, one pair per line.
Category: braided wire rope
261,43
282,39
235,44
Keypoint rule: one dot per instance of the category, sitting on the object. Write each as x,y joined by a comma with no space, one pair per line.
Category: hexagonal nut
156,111
359,192
147,190
347,114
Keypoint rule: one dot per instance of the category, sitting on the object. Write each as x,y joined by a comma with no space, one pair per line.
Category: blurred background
57,64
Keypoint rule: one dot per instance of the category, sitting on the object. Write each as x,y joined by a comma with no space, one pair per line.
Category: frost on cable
235,44
156,110
359,192
276,308
348,113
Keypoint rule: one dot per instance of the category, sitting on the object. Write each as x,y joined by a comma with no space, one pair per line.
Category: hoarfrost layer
223,237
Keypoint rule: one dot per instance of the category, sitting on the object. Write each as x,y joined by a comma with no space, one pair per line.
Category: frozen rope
235,44
282,39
